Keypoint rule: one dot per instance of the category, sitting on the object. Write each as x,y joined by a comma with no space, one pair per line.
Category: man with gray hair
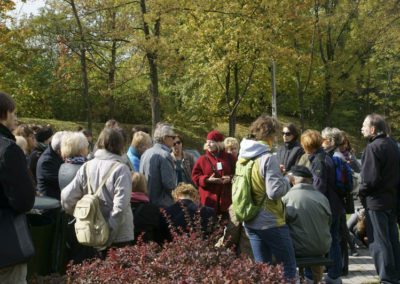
308,215
48,166
157,166
378,194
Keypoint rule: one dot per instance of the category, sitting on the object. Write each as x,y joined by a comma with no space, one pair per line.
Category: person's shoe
329,280
354,252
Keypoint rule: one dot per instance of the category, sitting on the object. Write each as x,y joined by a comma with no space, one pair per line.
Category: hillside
194,135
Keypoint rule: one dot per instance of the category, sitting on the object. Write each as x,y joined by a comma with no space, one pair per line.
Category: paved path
361,269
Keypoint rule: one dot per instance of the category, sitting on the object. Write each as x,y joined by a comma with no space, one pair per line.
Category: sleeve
370,176
122,194
73,192
354,164
320,176
15,180
275,183
168,175
198,175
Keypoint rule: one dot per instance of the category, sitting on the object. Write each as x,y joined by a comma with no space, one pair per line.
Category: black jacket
322,168
16,190
380,174
176,214
47,170
289,154
33,159
146,219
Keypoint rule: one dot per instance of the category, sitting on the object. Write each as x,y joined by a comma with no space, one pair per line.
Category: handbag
16,244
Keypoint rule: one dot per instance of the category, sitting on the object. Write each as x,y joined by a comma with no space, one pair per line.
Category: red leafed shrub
191,257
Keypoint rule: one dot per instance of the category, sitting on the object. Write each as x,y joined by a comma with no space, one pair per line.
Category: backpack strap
103,181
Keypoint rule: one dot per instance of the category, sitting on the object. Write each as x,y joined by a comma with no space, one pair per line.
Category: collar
4,131
303,186
165,148
377,137
139,197
290,144
134,152
313,155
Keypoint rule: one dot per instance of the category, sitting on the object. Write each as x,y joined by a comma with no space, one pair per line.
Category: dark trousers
384,245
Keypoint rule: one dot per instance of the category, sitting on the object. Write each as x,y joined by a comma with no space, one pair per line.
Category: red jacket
217,196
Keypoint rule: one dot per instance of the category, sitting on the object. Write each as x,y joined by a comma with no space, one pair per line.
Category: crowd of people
303,188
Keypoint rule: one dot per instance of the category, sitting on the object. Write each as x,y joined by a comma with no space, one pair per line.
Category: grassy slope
194,135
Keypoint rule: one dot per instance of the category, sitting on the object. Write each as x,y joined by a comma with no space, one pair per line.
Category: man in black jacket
48,166
378,193
17,194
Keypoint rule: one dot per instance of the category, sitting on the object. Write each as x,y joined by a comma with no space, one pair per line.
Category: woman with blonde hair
186,202
231,146
115,194
146,216
213,173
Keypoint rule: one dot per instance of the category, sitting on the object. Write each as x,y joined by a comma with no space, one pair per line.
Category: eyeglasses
171,136
286,133
177,143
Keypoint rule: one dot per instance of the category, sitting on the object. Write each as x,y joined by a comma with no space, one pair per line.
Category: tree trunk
83,67
300,95
151,58
111,72
155,102
232,123
327,99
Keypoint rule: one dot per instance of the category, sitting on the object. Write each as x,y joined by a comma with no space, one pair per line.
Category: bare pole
273,86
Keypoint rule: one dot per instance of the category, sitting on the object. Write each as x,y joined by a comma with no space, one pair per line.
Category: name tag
219,166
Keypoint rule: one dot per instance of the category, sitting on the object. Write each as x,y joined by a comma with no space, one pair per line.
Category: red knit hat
215,136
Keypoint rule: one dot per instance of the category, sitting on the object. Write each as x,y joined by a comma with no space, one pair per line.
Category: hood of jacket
103,154
250,148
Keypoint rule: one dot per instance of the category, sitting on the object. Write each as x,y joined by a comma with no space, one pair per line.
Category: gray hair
72,144
298,180
332,134
56,140
377,121
162,129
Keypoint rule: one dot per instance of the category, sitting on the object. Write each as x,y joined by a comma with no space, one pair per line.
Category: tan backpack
91,228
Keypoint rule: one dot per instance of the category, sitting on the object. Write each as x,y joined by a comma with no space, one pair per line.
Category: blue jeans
335,270
383,239
277,242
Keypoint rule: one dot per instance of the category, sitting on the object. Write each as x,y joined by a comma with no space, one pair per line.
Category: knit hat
301,171
43,134
215,136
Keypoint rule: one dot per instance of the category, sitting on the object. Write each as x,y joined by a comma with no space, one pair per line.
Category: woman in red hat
213,173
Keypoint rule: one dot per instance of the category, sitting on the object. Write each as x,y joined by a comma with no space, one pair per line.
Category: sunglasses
286,133
177,143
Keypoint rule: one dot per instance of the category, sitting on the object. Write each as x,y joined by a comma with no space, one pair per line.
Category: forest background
204,62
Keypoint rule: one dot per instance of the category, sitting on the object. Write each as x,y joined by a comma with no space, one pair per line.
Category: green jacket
308,216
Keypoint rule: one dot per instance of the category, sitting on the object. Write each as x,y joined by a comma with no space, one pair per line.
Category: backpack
343,177
91,229
242,201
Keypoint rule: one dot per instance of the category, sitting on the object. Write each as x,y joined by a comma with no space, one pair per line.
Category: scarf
76,160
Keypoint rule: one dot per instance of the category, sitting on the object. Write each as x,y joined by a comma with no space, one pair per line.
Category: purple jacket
323,171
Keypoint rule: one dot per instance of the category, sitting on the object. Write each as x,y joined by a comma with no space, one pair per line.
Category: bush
191,257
